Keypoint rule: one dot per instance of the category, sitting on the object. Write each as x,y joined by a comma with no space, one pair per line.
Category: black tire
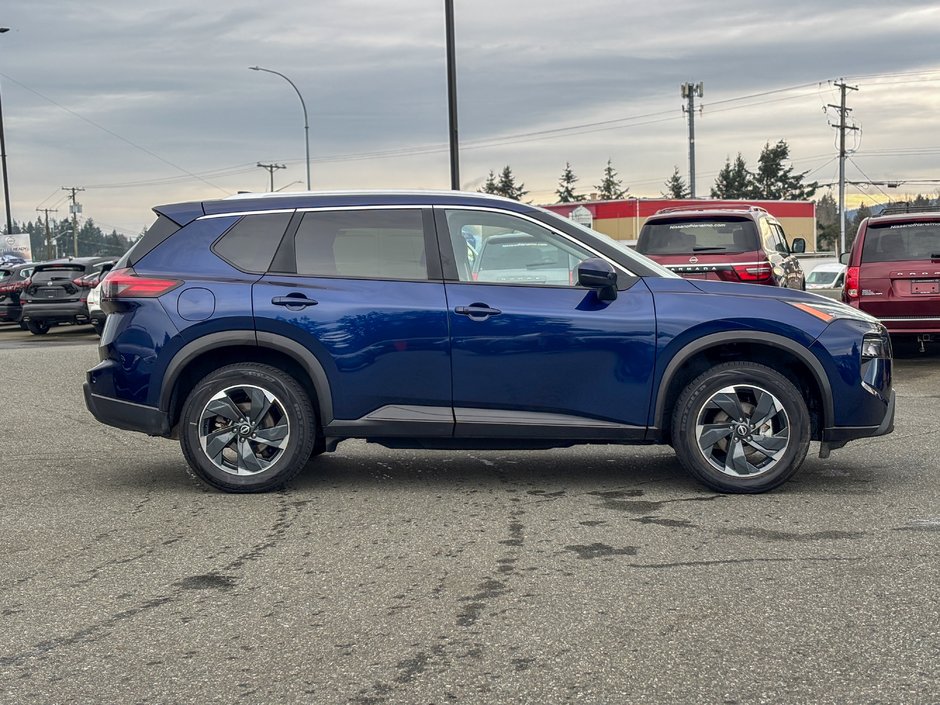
98,326
37,327
23,325
243,462
768,428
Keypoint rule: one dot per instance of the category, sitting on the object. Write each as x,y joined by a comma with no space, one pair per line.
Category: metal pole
6,177
843,115
306,122
3,160
452,95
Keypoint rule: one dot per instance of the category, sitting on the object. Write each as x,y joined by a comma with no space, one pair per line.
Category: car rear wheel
37,327
247,427
741,427
98,326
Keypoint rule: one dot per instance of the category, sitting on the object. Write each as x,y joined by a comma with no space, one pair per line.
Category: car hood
757,291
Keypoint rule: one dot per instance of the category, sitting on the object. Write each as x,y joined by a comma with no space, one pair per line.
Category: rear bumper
10,312
126,415
912,326
66,312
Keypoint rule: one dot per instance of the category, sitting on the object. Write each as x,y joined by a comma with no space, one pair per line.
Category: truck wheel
741,427
247,427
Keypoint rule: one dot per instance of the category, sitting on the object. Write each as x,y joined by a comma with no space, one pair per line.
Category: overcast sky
147,105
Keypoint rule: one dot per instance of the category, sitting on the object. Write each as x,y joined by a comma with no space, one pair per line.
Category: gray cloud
174,80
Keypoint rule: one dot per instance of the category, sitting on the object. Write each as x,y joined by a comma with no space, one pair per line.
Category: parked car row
41,295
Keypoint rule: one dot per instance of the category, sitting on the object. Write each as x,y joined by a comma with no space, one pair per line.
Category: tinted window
44,276
687,236
378,244
902,241
821,278
251,242
780,239
161,229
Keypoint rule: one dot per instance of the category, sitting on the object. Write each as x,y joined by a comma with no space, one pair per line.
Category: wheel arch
785,355
199,357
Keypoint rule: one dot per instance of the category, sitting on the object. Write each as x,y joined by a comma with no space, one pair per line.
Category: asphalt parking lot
585,575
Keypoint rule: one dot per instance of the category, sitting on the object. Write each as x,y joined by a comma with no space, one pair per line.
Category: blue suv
262,330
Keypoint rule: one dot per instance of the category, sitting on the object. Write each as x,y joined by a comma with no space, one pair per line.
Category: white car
827,279
95,313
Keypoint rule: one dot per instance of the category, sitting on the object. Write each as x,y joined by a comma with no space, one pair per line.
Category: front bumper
126,415
837,436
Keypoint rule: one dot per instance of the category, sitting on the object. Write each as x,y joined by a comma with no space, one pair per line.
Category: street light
303,105
3,160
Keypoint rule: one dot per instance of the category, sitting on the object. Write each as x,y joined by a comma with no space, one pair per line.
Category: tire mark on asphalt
217,579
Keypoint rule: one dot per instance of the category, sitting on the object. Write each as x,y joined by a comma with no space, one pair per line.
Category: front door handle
294,301
477,310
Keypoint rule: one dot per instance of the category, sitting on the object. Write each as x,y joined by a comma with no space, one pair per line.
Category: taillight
754,272
127,284
851,282
82,283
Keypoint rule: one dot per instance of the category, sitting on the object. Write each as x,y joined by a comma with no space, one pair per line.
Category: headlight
831,310
875,347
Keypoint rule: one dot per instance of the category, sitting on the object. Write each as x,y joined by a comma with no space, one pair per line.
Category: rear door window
900,242
373,244
675,236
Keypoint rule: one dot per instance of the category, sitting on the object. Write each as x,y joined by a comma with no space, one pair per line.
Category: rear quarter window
899,242
250,244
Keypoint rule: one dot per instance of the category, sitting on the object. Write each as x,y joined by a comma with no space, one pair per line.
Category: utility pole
47,211
271,169
3,162
689,91
75,209
842,127
452,95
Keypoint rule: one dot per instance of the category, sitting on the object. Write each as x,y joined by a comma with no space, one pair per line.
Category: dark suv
732,244
263,330
56,292
13,280
894,273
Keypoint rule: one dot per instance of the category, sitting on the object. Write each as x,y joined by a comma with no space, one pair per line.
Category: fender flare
214,341
716,339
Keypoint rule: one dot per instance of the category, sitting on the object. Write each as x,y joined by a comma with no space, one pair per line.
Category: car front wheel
247,427
741,427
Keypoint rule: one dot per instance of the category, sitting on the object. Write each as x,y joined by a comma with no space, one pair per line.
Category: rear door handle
293,301
477,310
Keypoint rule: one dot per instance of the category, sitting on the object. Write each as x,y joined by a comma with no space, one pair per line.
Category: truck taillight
754,273
851,283
127,284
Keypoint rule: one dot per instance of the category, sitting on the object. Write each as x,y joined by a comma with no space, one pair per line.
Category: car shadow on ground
579,470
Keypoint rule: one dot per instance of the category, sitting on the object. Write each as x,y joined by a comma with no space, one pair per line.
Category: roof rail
906,207
674,209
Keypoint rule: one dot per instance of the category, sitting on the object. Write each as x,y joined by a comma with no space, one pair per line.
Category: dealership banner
16,245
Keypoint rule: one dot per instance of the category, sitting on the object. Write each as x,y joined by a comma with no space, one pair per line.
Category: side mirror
599,275
799,246
844,258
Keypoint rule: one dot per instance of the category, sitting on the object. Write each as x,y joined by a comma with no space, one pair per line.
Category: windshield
685,236
899,242
822,278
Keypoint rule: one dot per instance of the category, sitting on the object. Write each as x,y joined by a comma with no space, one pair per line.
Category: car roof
905,217
749,213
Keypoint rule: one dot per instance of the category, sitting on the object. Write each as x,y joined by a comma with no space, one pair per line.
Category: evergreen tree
565,189
774,180
734,180
676,186
507,185
611,188
827,223
490,185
